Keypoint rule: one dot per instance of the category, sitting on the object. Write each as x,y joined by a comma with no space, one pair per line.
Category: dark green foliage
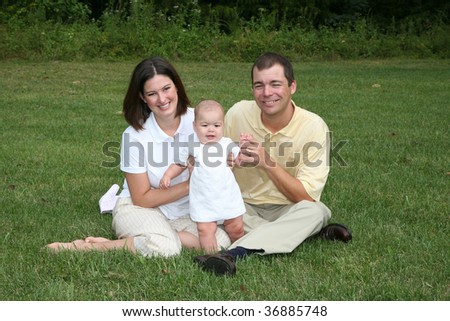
221,30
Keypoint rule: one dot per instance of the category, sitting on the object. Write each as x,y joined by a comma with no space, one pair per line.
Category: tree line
283,13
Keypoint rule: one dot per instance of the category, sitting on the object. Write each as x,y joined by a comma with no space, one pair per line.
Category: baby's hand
164,183
245,137
244,140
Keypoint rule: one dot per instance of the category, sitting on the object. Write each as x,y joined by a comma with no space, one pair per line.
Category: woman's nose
161,97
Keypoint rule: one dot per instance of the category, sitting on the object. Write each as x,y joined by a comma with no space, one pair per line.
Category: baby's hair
208,104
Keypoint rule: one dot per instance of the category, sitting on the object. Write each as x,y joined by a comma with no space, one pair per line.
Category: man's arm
254,154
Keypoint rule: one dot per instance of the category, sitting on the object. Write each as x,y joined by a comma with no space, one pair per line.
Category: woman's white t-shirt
151,151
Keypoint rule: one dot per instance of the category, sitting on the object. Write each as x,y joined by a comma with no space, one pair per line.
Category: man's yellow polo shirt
301,148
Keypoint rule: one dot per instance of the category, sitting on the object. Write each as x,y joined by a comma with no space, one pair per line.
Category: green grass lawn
390,185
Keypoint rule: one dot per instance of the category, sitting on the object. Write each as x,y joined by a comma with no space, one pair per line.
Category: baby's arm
173,171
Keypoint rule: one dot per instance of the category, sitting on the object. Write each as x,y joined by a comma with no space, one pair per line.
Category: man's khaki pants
281,228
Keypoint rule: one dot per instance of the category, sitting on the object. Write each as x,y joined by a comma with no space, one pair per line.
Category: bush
188,33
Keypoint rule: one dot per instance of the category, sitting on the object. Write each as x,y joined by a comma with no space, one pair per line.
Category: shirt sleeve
132,154
184,155
313,172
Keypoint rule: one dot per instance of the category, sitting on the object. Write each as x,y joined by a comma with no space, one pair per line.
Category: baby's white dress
214,194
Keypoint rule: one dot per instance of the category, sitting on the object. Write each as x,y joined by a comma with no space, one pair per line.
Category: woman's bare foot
95,243
93,239
75,245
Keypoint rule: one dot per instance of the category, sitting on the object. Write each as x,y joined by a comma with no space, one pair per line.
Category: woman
148,220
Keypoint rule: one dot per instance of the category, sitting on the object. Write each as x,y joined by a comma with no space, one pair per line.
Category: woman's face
161,96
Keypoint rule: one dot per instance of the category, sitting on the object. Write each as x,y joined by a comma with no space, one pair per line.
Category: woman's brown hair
135,109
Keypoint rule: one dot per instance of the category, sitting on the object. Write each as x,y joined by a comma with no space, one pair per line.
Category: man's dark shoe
337,232
219,264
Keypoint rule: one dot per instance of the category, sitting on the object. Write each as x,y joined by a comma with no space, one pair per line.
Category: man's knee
316,209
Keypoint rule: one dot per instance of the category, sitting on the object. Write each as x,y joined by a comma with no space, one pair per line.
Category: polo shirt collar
159,136
288,131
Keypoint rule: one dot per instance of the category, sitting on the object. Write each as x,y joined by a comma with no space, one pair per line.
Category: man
282,169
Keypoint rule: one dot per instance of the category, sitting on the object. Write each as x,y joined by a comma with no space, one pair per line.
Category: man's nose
267,91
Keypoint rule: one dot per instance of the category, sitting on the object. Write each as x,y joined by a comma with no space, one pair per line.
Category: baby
214,195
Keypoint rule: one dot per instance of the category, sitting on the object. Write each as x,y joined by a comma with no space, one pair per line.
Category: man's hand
252,153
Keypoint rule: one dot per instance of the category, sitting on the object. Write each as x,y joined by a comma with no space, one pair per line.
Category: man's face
271,90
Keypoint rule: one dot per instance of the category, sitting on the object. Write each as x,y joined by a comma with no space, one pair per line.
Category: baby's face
209,125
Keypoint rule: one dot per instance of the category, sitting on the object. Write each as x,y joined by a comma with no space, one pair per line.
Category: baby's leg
207,236
234,227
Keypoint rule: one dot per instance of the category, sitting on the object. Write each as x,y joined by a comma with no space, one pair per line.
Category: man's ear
293,87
